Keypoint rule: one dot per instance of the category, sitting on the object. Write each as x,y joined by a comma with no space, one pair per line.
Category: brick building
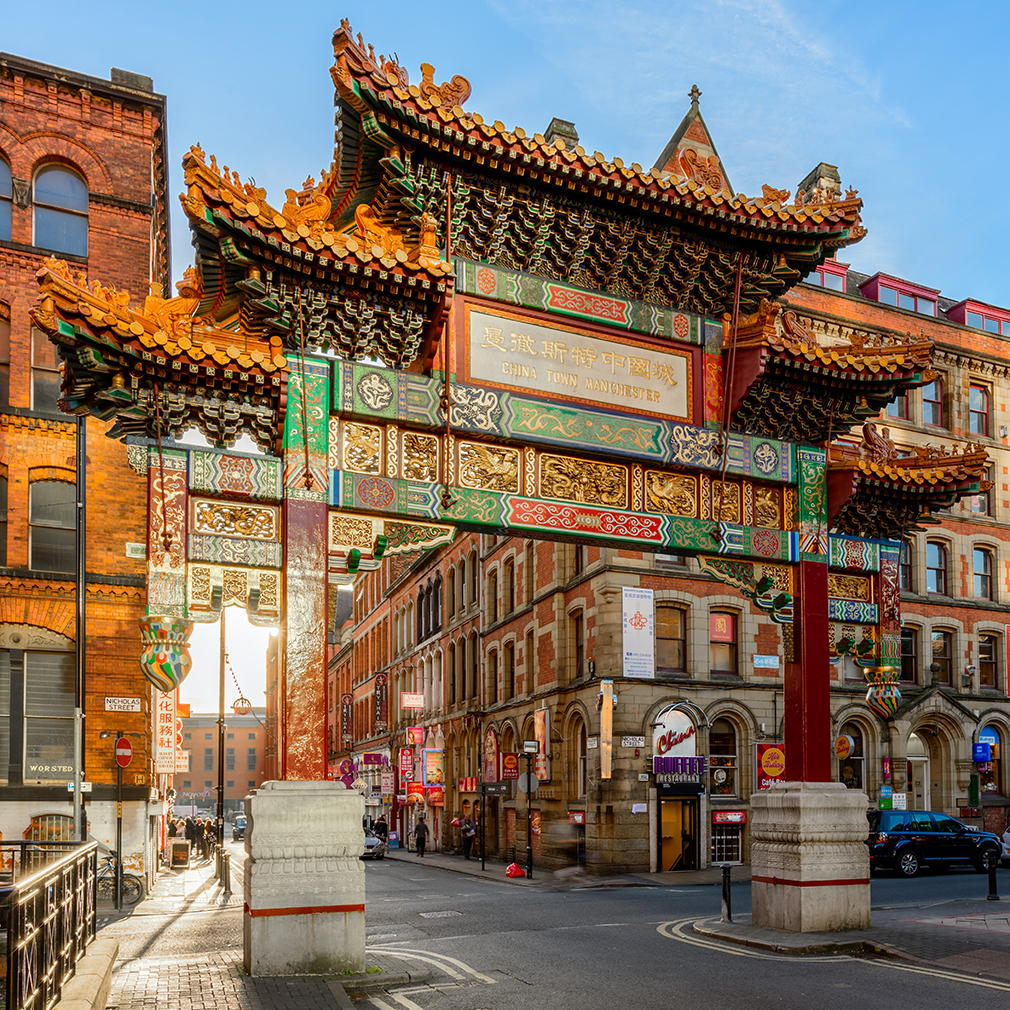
245,748
493,629
83,179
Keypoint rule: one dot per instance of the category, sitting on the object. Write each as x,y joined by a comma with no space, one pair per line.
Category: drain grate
438,915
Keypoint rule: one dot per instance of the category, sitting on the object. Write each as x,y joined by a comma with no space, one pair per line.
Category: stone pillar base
810,863
304,880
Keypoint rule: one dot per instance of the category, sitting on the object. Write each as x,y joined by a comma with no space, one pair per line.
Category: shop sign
639,626
576,817
491,752
346,732
771,764
540,767
678,769
509,766
165,760
674,734
406,764
381,701
592,742
415,736
843,747
981,752
415,792
373,759
388,782
729,816
468,785
182,762
433,767
722,628
412,699
766,662
435,796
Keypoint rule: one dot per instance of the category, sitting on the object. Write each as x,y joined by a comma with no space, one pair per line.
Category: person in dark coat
381,828
469,831
421,835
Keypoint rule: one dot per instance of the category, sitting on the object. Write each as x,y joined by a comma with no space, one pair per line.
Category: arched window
6,200
529,678
722,637
528,582
581,741
578,633
910,655
5,361
850,767
473,577
3,524
492,677
450,592
509,588
474,667
722,749
936,568
988,661
982,564
53,525
905,567
61,211
978,409
943,656
932,403
990,772
492,597
451,670
509,673
421,611
671,640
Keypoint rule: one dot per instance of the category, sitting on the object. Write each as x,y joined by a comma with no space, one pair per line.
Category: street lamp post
530,747
220,751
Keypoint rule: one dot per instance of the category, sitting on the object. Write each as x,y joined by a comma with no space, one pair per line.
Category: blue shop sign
981,752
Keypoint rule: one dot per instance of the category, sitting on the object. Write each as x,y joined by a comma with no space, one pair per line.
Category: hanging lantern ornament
165,659
241,707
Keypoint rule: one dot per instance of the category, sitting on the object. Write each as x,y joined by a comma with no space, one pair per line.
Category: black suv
907,840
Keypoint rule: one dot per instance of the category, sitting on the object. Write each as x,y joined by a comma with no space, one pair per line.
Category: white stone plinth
809,859
304,880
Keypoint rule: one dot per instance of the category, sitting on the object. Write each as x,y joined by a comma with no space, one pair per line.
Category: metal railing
47,917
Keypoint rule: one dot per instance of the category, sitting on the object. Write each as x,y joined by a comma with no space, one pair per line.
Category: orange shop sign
771,764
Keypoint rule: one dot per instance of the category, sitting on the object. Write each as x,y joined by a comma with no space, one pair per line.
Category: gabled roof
691,152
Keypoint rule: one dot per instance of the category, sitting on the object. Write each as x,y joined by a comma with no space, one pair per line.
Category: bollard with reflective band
727,904
993,896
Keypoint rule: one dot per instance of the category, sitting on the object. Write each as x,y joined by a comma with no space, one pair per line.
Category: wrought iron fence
47,917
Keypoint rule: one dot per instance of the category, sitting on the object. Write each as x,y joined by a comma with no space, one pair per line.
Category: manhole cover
438,915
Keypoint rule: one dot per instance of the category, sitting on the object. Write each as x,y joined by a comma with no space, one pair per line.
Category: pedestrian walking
421,835
381,828
469,830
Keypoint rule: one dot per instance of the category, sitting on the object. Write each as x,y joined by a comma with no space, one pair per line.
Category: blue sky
907,99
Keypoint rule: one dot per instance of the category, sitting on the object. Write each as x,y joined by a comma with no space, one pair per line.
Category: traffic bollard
727,903
993,896
226,872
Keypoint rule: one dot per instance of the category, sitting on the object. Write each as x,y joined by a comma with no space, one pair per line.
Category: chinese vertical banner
345,717
165,760
381,701
406,764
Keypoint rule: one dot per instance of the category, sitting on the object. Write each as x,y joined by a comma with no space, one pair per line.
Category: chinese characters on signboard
165,759
381,701
639,645
345,717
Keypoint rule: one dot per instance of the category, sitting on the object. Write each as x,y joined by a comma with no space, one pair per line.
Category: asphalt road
493,945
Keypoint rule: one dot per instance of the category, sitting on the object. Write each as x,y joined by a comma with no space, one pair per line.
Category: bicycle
133,886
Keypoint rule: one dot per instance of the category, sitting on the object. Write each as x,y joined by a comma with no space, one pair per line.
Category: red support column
808,681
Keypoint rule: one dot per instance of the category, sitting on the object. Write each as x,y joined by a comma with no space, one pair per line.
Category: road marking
394,952
403,1001
462,965
674,931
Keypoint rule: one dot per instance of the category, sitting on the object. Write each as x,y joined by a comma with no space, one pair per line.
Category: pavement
970,935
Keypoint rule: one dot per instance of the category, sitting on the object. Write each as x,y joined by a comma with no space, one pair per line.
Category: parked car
907,840
1006,847
375,847
238,828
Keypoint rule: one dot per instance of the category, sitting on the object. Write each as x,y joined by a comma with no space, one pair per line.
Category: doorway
678,834
918,774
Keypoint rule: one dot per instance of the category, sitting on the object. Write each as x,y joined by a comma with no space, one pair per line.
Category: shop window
52,517
905,567
932,403
722,643
45,374
5,364
671,640
726,843
982,567
910,655
936,568
722,749
943,656
978,410
981,503
60,198
6,200
990,772
898,407
851,767
37,693
988,661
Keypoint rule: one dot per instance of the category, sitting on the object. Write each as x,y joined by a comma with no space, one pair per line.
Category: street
494,945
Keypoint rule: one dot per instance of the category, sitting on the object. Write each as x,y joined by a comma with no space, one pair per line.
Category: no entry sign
124,752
